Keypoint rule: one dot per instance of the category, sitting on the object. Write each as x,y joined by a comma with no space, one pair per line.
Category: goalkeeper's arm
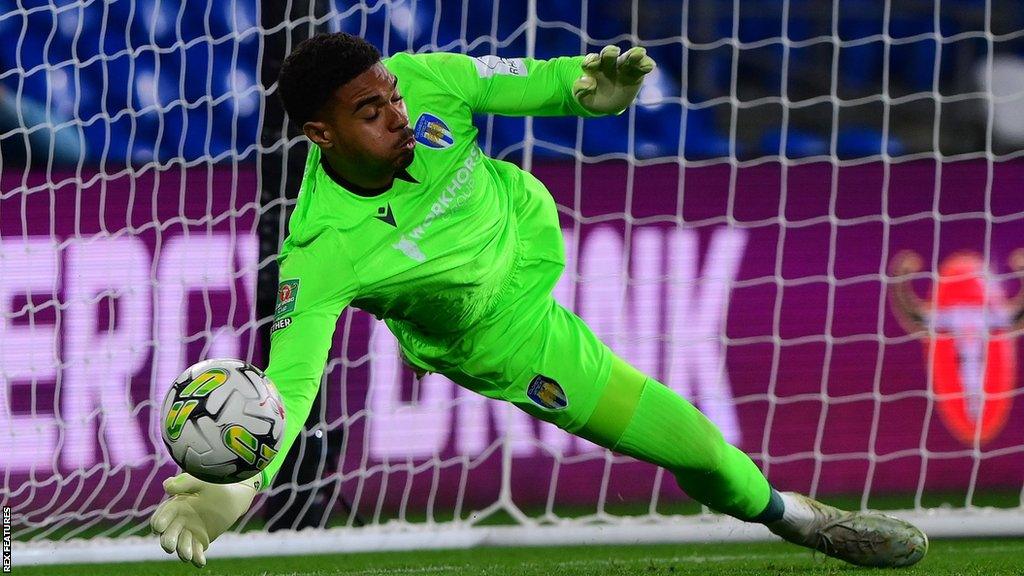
591,85
311,296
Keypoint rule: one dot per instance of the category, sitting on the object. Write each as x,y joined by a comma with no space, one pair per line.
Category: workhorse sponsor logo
457,190
967,324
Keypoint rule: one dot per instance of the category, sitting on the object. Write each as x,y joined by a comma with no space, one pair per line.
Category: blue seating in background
861,142
136,93
129,84
799,143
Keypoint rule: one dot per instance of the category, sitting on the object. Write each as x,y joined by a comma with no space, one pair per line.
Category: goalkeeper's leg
574,381
640,417
666,430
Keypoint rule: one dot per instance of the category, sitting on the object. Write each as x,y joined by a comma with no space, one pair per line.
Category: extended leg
640,417
564,374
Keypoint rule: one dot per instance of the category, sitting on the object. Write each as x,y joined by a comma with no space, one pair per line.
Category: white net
810,226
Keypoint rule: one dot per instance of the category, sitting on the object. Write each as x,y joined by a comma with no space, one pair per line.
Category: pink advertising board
848,327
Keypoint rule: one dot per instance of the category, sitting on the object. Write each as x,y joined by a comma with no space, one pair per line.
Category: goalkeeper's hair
317,67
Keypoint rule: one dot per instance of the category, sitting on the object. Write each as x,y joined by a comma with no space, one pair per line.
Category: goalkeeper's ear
319,133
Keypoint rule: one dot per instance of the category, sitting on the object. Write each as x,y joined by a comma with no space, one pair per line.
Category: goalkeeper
400,214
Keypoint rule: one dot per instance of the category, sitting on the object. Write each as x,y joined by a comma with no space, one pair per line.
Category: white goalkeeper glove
197,513
611,80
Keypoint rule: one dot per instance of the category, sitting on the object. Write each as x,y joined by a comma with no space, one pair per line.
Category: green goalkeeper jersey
435,254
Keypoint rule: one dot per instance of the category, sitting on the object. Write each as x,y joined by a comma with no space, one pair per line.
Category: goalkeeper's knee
666,430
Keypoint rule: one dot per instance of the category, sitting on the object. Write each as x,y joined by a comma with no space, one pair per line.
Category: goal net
811,225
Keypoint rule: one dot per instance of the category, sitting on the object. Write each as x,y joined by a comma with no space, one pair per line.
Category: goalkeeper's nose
398,117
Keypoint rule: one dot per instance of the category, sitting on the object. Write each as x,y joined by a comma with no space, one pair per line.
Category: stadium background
731,234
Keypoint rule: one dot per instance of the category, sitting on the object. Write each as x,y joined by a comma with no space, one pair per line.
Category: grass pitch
993,557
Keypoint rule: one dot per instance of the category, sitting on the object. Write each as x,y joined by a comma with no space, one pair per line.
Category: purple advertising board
852,328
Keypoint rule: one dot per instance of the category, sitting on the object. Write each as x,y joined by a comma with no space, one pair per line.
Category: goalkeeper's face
367,125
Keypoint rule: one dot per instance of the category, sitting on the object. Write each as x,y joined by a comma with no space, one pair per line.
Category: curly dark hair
317,67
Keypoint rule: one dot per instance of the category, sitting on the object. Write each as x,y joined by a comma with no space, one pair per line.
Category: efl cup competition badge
287,291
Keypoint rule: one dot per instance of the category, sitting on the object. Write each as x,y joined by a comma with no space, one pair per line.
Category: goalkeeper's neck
359,190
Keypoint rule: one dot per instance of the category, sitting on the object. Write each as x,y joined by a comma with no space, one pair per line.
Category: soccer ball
222,421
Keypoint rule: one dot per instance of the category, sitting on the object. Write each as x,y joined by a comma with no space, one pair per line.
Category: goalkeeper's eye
376,111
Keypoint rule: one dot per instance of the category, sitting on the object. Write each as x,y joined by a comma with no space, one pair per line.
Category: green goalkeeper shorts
531,351
540,357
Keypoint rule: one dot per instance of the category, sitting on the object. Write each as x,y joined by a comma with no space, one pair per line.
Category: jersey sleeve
312,292
509,86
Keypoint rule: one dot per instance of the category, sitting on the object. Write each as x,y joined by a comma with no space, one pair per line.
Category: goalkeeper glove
197,513
611,80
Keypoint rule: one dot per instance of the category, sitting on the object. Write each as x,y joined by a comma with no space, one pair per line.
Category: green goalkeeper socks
666,430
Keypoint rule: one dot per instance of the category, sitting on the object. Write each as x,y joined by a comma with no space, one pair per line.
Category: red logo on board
966,322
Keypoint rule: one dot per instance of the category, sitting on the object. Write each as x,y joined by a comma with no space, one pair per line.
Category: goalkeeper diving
400,214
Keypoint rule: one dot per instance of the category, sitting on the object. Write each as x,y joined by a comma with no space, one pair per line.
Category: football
222,420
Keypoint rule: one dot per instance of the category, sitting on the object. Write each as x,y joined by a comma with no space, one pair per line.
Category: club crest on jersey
287,292
546,393
966,323
432,132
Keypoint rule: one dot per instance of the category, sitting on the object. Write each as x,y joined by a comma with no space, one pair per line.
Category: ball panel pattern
222,420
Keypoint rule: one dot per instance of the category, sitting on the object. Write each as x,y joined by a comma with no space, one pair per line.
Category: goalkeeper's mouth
406,148
407,143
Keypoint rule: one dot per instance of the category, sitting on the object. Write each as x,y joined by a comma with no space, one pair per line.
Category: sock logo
547,393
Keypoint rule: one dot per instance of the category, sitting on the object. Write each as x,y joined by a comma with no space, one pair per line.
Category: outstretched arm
591,85
315,286
313,290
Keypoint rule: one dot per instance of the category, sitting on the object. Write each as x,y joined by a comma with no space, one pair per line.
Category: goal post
810,225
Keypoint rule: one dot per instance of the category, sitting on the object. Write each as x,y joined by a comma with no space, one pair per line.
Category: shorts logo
432,132
546,393
287,292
